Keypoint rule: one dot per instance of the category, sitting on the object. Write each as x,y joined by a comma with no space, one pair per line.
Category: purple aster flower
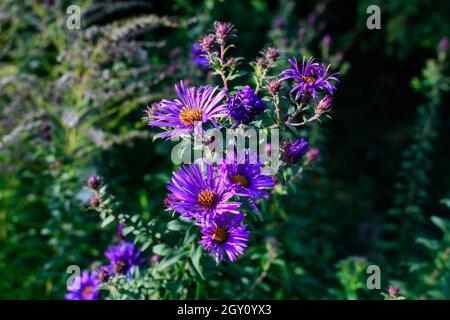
311,78
186,114
83,288
199,57
103,273
292,151
123,257
225,236
245,105
200,193
246,174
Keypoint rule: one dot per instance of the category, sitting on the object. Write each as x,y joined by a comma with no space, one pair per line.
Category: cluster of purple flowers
197,107
205,193
210,195
245,105
123,258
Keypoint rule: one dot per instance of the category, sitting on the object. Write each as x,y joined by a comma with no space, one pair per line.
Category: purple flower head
245,105
200,193
225,236
123,257
311,78
103,273
199,57
208,42
271,54
94,182
186,114
293,150
83,288
223,30
246,174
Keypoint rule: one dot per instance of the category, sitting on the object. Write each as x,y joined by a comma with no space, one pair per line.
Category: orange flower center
87,291
220,235
308,79
189,116
207,199
241,179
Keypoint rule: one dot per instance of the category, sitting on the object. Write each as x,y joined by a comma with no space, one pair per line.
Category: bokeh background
71,105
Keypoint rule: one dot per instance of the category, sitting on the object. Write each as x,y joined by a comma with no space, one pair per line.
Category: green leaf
161,249
107,221
128,230
195,260
175,225
440,223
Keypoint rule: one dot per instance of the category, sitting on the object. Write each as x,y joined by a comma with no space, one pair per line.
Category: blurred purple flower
103,273
123,257
279,23
443,44
199,57
292,151
83,288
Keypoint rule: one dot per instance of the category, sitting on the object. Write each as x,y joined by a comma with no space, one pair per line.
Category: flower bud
393,291
262,63
326,41
207,42
443,44
312,154
94,182
222,30
324,105
272,54
293,151
95,201
279,23
274,86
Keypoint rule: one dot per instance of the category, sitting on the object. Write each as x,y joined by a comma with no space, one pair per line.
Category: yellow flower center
189,116
207,199
308,79
220,235
241,179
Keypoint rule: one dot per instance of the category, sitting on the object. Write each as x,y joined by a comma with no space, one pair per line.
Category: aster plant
210,195
216,202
